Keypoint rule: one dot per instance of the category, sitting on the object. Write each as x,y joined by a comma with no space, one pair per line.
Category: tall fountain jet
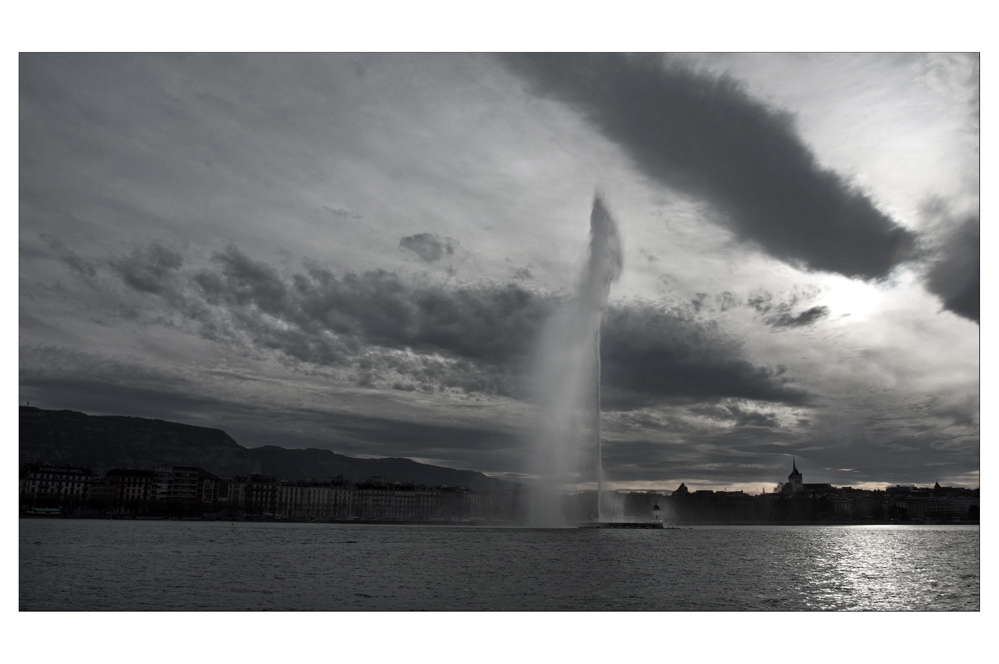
567,377
602,269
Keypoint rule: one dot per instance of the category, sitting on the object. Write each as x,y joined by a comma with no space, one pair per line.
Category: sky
358,252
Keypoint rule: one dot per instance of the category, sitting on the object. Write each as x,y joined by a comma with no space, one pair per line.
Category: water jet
568,446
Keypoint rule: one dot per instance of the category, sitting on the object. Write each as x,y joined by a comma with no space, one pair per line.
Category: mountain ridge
102,442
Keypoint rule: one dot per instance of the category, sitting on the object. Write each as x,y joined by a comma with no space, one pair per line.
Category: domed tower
794,479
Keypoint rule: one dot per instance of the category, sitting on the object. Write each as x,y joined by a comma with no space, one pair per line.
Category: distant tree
779,487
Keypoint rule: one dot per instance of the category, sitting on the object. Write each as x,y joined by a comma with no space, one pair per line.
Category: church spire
794,479
794,468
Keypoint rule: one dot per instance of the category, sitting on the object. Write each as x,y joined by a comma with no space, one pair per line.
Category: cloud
405,335
705,136
881,436
341,213
777,309
807,317
242,280
765,302
647,255
736,414
954,270
962,410
726,300
82,268
429,247
150,270
653,353
388,332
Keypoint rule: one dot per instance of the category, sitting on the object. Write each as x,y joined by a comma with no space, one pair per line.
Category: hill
102,442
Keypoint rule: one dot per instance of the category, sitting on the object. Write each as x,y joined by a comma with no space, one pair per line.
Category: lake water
178,565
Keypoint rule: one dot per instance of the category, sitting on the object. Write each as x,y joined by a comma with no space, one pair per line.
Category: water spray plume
605,260
567,378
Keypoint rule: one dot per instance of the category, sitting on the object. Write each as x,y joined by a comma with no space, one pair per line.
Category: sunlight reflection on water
116,565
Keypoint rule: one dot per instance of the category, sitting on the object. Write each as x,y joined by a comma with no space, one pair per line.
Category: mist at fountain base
572,508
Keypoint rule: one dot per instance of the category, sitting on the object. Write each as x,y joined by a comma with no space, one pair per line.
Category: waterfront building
329,498
948,504
343,498
189,491
382,499
47,483
185,485
255,495
123,489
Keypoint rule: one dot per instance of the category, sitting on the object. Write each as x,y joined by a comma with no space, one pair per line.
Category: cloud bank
389,331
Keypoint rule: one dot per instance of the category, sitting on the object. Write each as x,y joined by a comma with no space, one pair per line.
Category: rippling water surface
171,565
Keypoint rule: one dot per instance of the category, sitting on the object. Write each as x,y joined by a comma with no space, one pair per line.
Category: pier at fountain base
657,525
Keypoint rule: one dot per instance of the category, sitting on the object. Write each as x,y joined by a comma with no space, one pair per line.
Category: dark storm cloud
404,335
318,316
151,269
429,247
707,137
959,410
244,281
650,353
711,457
954,271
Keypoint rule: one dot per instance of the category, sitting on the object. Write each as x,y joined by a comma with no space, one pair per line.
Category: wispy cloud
81,267
805,318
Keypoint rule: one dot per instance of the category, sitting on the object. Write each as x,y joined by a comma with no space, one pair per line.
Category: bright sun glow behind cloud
851,297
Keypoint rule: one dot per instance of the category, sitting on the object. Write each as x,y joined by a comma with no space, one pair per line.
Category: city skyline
355,252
